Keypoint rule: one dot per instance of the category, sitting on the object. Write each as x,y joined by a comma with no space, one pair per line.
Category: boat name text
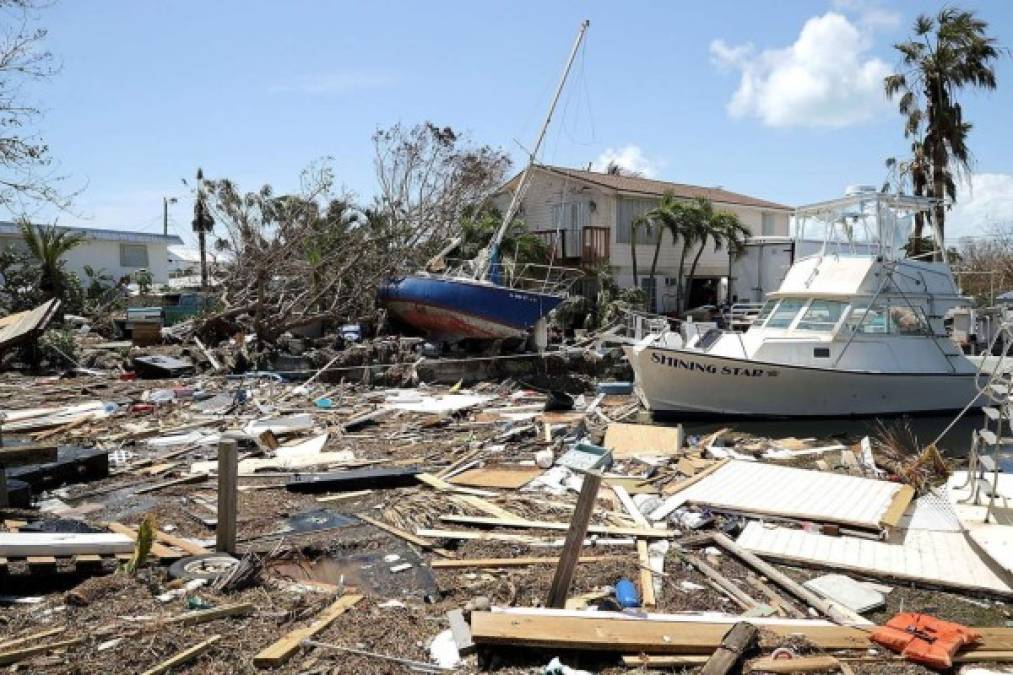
710,368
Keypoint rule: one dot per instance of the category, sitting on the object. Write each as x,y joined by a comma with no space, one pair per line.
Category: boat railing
537,278
741,315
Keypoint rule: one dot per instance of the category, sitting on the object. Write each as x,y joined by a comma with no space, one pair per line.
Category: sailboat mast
489,254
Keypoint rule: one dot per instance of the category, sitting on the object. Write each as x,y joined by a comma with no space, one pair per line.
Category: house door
702,291
650,288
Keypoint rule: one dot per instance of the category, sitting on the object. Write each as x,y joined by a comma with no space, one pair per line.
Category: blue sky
780,100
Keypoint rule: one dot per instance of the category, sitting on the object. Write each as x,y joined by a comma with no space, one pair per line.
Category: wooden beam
15,655
797,664
8,645
656,661
282,650
646,574
650,532
834,612
184,656
624,635
722,582
776,600
515,562
157,550
631,508
574,539
228,482
182,543
737,641
22,544
407,536
204,615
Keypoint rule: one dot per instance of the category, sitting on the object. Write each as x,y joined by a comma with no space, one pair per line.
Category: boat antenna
487,256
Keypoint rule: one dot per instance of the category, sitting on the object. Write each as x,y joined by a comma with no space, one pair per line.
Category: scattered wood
646,575
796,664
282,650
525,561
506,476
651,533
23,544
741,638
184,656
631,440
407,536
723,583
576,531
205,615
184,480
9,645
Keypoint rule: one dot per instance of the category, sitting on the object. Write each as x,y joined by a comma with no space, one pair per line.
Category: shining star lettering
709,368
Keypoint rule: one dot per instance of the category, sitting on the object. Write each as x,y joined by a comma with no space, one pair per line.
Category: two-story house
586,217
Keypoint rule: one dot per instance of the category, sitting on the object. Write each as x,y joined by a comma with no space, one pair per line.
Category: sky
778,100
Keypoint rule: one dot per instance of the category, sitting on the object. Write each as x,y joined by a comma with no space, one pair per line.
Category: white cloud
824,79
984,204
629,157
338,81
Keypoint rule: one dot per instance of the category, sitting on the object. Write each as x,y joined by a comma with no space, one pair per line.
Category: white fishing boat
854,330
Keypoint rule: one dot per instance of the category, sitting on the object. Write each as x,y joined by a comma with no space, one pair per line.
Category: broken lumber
515,562
282,650
796,664
15,655
737,641
24,544
184,656
577,529
204,615
407,536
646,574
651,533
721,581
17,642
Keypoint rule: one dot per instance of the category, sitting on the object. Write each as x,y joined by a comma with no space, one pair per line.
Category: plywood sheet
767,489
944,559
630,440
508,476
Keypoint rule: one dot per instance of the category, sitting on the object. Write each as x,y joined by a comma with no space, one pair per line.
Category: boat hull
451,309
684,381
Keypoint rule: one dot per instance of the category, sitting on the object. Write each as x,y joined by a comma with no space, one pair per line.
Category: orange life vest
925,639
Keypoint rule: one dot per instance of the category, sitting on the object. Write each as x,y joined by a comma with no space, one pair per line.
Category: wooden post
736,642
574,538
228,473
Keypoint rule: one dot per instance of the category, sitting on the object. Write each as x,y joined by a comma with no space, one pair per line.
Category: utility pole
165,214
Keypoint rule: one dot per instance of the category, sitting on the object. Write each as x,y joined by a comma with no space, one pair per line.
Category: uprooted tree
293,259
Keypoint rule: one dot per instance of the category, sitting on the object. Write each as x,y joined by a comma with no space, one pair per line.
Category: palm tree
947,53
48,245
519,245
203,223
724,229
665,216
635,225
694,233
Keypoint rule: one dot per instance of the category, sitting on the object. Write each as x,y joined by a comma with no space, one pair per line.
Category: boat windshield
822,315
785,313
764,312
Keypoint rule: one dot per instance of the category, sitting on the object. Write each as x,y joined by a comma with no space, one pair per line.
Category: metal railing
549,279
741,315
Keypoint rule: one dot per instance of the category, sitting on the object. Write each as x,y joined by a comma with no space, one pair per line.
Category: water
926,428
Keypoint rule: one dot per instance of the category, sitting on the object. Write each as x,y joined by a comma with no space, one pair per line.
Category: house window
768,228
570,218
629,210
133,255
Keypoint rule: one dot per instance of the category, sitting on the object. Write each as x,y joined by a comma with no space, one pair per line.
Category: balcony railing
587,246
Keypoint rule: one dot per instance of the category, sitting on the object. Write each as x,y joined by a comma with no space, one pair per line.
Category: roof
9,229
648,186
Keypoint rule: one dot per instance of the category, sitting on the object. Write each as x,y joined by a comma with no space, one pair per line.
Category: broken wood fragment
282,650
740,638
184,656
578,527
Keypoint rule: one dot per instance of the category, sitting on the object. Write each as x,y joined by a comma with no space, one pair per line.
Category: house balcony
583,247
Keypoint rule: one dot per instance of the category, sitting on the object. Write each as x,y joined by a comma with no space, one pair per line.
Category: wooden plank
228,481
650,533
182,543
897,507
721,581
675,488
485,507
206,615
184,480
471,563
655,661
15,655
87,561
443,486
629,440
797,664
157,550
36,453
184,656
407,536
8,645
282,650
22,544
506,476
632,636
477,535
631,508
738,640
576,531
461,631
39,563
646,575
343,496
775,599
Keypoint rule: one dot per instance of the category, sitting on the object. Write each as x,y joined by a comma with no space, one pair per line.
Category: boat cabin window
822,315
765,311
881,319
785,313
869,320
905,320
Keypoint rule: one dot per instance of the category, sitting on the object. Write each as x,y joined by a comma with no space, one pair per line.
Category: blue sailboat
484,298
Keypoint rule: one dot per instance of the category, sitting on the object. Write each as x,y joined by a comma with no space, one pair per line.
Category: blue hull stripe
507,306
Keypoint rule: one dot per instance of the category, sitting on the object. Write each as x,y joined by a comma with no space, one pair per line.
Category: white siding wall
101,254
547,189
